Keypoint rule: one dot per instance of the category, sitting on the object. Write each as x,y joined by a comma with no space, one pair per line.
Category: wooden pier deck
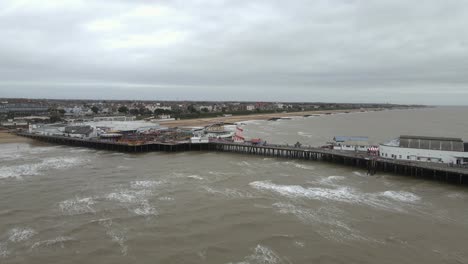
373,164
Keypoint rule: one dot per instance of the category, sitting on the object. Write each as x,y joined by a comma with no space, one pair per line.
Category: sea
61,204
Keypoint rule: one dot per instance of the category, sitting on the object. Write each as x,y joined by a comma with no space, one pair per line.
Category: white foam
17,171
296,191
329,220
456,195
145,184
117,235
21,151
357,173
303,134
196,177
297,165
4,250
304,167
299,244
123,197
341,194
145,209
262,255
135,201
165,198
79,150
244,164
77,206
20,234
401,196
60,241
249,122
230,193
331,180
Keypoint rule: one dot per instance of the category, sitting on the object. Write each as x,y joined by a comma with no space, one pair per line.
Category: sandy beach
199,122
6,137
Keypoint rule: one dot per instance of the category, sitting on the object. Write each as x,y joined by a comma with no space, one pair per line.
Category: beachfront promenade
372,163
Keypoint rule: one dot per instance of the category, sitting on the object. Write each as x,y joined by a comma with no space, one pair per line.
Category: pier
372,163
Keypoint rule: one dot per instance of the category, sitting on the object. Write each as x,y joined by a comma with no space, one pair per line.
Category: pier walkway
372,163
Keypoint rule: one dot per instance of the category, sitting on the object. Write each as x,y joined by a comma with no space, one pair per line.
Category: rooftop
431,138
345,138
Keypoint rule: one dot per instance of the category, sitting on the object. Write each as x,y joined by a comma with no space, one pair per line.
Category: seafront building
427,149
351,143
23,109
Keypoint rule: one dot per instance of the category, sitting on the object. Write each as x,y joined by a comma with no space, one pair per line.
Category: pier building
427,149
351,143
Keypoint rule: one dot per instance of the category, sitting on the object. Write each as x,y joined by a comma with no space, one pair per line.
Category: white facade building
351,143
209,108
427,149
152,108
250,107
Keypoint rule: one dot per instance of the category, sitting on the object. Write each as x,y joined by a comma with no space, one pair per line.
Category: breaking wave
297,165
3,250
18,171
297,191
145,209
77,206
327,220
385,200
58,241
196,177
117,235
15,151
145,184
135,201
262,255
456,195
303,134
166,198
357,173
331,180
401,196
16,235
230,193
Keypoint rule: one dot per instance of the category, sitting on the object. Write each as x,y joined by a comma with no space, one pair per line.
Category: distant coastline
6,137
198,122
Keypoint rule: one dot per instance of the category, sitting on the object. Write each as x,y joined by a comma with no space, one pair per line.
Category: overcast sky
397,51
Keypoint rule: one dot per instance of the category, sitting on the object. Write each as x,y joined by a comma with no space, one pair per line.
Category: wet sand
6,137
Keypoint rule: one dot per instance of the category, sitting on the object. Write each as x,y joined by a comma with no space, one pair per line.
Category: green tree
95,109
192,109
134,111
54,118
123,109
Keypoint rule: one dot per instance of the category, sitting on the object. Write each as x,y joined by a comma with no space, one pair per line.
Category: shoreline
7,138
200,122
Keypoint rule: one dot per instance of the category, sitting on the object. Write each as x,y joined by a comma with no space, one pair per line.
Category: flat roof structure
344,138
431,138
432,143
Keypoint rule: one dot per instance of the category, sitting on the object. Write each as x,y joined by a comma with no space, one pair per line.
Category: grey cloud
246,50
